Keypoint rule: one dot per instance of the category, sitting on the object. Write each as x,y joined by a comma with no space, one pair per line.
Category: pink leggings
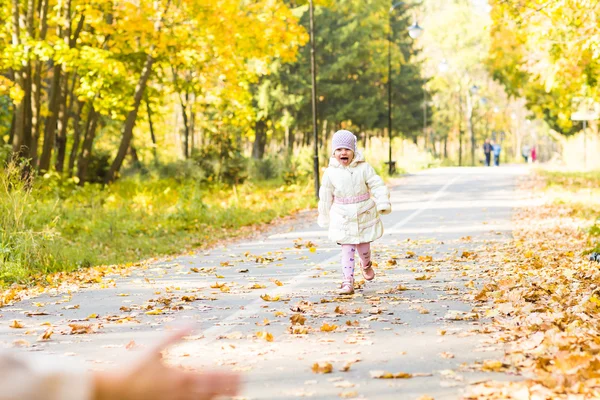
364,252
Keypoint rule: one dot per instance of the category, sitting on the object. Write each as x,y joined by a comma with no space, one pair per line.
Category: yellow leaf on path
328,328
265,335
131,345
492,365
389,375
322,368
16,324
423,278
123,294
265,322
78,329
425,258
298,319
410,254
279,314
446,354
257,286
528,254
278,283
196,270
298,329
349,394
218,285
92,316
312,249
266,297
219,276
156,311
46,335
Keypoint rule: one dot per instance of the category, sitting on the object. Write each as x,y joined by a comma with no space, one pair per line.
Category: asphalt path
413,318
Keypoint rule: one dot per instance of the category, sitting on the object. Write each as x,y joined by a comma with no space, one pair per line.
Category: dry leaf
322,368
328,328
298,319
15,323
46,335
80,329
265,335
389,375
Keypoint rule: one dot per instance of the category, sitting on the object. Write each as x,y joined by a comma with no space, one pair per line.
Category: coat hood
358,158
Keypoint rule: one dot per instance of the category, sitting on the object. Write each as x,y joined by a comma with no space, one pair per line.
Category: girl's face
344,156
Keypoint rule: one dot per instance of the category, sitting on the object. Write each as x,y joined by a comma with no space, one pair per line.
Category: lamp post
313,70
414,31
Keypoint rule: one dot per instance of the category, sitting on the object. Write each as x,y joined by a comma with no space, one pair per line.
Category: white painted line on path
425,205
227,324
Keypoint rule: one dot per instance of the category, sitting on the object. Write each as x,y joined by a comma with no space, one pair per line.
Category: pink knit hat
343,140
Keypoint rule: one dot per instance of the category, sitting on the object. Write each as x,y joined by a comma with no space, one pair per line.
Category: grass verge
52,225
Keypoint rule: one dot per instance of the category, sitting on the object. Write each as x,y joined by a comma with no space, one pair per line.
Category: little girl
346,206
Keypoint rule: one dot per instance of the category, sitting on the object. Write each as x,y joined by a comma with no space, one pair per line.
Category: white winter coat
358,222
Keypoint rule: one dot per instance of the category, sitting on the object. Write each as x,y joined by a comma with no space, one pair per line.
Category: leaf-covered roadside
544,298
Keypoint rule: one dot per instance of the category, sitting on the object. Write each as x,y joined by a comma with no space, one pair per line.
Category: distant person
346,206
496,149
487,150
533,155
29,377
525,152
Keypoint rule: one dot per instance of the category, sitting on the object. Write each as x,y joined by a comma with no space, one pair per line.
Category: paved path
438,213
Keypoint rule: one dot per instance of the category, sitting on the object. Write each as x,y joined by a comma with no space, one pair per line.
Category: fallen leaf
16,324
265,335
328,328
389,375
46,335
322,368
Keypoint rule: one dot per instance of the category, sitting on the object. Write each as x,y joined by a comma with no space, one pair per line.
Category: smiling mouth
344,158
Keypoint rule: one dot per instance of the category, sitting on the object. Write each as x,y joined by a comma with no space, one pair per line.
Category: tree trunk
192,124
135,160
76,136
50,128
152,136
63,122
446,147
127,133
36,89
470,126
86,148
186,126
21,143
290,139
260,139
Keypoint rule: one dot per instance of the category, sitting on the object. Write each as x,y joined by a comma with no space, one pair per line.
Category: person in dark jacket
487,150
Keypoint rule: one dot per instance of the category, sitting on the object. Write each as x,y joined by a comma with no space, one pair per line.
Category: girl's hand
385,210
150,379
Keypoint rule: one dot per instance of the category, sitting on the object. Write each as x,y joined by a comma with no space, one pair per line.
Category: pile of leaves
544,300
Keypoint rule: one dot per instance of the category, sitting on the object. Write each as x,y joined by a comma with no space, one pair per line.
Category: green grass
571,180
580,190
54,225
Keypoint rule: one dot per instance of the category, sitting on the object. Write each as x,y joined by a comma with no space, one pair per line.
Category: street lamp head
414,31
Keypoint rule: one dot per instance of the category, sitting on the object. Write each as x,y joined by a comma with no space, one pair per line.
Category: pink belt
352,200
